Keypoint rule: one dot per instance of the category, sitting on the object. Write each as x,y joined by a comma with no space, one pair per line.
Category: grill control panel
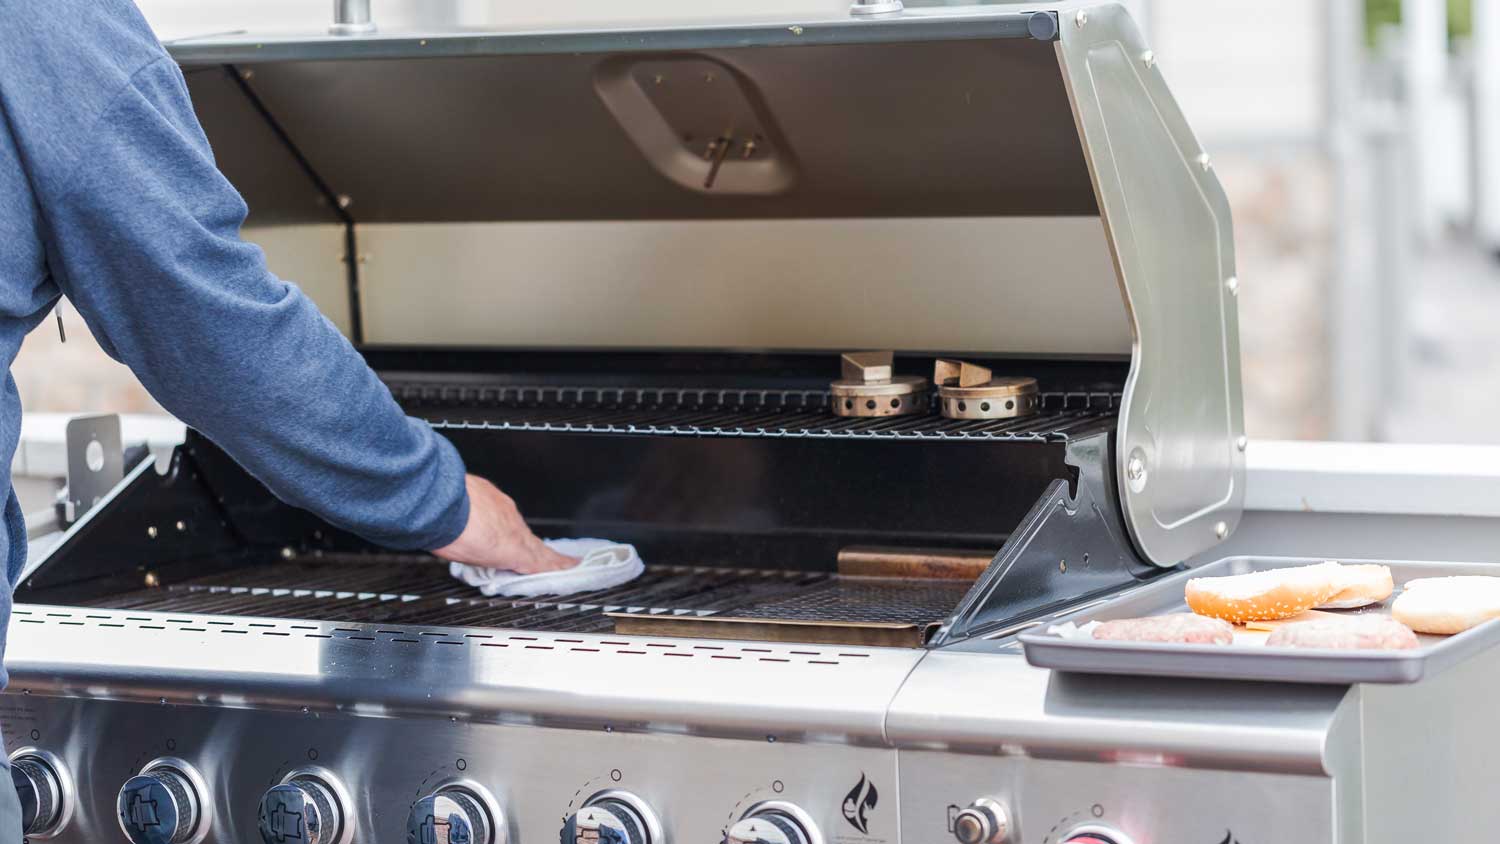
223,774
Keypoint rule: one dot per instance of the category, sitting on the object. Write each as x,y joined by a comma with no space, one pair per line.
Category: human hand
497,537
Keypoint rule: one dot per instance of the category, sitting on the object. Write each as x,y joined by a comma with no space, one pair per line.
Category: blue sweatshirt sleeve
143,237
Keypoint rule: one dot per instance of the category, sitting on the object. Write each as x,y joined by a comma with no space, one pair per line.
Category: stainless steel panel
795,693
1181,471
1050,800
697,785
976,124
1436,653
1024,285
1428,755
977,701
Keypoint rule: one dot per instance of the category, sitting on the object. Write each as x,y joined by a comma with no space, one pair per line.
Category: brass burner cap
869,388
967,391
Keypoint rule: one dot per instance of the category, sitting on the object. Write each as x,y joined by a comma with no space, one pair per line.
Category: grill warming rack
415,590
727,413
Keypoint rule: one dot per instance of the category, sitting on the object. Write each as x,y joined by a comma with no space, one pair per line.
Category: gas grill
644,280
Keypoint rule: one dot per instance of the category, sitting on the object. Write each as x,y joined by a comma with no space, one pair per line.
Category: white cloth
601,564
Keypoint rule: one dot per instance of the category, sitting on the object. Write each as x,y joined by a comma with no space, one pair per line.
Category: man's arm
144,239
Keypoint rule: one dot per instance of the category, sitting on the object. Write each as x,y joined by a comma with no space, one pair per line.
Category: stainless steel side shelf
1236,662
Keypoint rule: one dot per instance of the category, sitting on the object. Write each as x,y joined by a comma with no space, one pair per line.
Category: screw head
1148,58
1081,18
1221,530
1232,284
1241,442
1135,470
1204,161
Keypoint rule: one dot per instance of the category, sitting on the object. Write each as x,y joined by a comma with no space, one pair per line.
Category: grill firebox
761,514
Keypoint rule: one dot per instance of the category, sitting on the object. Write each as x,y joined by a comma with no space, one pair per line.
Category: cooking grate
730,413
417,590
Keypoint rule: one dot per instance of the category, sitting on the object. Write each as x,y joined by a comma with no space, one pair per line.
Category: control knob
161,805
773,822
985,821
612,817
39,786
304,809
453,814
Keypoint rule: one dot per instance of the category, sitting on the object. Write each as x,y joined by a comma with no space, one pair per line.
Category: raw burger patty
1371,632
1178,627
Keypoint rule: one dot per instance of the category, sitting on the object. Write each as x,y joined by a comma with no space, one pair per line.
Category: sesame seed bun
1265,595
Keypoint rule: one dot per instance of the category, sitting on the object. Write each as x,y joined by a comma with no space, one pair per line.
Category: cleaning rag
601,565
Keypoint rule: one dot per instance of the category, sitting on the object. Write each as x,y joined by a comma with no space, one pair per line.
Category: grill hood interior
997,182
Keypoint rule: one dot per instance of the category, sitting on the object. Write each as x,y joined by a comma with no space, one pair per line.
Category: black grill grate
727,413
418,591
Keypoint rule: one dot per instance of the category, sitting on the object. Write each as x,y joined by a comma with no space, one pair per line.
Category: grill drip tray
812,607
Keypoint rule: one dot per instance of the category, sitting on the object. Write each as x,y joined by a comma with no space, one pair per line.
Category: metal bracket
96,462
1071,545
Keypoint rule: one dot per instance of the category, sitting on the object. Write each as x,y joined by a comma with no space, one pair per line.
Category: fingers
496,535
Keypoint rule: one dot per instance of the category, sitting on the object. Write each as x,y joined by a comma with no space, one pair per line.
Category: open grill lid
933,180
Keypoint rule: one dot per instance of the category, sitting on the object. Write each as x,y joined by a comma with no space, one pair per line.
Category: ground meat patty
1361,632
1179,627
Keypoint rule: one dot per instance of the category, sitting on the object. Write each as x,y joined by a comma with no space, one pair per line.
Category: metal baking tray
1254,661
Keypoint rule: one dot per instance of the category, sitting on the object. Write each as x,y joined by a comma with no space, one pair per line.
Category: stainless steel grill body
542,720
1008,186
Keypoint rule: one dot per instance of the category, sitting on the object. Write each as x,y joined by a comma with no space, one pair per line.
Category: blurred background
1358,140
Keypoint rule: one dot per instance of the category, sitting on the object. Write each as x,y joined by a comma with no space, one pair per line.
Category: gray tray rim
1263,664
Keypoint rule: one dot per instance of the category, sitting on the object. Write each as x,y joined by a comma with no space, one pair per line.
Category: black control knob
612,817
450,815
303,810
159,806
985,821
773,822
39,787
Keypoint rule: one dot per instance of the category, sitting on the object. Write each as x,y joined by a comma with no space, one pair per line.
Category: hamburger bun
1363,585
1265,595
1447,605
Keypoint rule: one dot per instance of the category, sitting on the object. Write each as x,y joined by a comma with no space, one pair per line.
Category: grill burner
415,590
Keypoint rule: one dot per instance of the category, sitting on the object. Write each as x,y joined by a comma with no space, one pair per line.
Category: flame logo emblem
858,801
